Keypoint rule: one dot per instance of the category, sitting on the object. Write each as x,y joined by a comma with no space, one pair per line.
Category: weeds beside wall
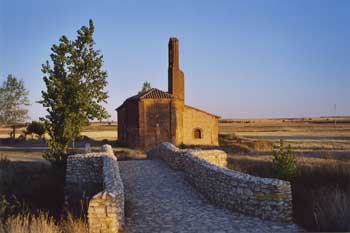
321,200
31,200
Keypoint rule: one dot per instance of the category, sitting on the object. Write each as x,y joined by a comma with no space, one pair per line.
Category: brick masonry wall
155,121
208,124
106,208
266,198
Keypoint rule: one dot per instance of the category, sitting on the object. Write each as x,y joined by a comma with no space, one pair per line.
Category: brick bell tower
176,79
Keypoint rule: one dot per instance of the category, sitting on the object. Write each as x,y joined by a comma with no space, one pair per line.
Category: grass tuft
42,223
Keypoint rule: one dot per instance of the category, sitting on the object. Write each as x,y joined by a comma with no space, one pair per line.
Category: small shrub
57,160
285,162
36,128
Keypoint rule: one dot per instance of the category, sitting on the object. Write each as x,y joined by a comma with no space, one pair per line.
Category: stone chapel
155,116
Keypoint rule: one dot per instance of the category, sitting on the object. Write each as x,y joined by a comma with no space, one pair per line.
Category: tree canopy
75,82
145,87
37,128
13,102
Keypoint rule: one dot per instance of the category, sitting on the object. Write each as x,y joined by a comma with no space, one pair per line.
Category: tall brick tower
176,82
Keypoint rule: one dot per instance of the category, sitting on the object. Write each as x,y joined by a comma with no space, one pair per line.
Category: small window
197,133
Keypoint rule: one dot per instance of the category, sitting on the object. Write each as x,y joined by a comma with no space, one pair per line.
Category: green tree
145,87
74,93
285,162
36,127
13,102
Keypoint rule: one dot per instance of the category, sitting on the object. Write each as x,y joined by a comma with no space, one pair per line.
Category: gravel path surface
158,199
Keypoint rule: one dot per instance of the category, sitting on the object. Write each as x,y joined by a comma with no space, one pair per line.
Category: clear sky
241,59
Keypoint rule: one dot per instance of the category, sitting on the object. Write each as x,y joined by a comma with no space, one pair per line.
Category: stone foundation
266,198
100,170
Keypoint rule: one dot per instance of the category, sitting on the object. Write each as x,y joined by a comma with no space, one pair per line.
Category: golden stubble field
315,140
309,137
32,150
95,130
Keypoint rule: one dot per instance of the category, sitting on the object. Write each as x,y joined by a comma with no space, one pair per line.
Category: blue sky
241,59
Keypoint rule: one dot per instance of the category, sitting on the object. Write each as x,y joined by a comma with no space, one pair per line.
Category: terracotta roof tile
156,94
153,93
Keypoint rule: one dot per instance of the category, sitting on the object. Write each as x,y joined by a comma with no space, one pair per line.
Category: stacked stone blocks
106,208
266,198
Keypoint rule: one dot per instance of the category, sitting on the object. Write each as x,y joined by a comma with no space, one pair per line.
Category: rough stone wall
215,157
175,155
83,176
269,199
106,208
84,168
208,124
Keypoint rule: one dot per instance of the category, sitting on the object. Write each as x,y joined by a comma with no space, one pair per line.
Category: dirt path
159,200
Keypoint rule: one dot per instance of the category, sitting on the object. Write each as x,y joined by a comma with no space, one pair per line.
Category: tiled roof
152,93
155,93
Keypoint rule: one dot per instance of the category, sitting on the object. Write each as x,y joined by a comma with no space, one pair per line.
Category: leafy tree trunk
13,100
74,91
13,132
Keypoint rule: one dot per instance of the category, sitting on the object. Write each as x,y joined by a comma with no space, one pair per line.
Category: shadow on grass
320,193
32,187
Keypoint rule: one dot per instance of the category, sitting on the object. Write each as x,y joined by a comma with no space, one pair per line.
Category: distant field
311,136
100,131
318,137
96,131
32,151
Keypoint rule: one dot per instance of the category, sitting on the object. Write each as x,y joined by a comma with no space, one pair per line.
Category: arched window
197,133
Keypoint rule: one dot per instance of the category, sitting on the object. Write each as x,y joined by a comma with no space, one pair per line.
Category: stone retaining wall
106,208
215,157
83,175
266,198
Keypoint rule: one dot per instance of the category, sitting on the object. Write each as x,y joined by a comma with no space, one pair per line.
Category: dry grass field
310,137
322,148
322,185
313,139
96,130
96,134
32,150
